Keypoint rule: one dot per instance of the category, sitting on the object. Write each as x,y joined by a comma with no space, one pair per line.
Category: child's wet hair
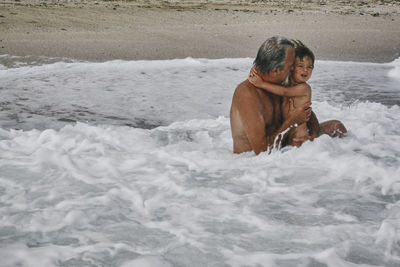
301,50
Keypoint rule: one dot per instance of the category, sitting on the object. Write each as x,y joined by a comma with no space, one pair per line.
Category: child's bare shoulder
303,88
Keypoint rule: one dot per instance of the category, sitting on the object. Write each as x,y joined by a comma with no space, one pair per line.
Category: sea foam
176,194
172,193
148,94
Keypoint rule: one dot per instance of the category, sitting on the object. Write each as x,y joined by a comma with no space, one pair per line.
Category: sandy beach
132,30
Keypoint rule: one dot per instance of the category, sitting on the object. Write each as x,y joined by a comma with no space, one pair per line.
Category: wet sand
133,30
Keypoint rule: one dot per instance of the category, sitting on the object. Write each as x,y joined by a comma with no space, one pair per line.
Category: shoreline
362,31
11,61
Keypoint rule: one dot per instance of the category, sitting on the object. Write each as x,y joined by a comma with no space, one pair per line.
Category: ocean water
130,163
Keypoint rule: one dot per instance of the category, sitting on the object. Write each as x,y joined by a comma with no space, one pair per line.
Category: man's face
289,61
277,75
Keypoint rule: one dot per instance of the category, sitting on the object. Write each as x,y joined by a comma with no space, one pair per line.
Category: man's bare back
252,106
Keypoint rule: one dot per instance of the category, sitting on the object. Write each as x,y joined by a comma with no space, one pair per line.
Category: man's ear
276,71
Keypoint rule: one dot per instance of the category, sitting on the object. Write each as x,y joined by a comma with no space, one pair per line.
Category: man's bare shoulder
245,90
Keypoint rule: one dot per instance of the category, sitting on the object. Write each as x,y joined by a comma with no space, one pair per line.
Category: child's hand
254,78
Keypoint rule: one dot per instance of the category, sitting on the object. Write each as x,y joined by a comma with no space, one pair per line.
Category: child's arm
296,90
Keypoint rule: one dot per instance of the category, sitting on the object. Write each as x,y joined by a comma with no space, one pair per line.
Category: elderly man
256,117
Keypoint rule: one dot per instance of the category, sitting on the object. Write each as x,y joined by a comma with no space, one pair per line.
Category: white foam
158,191
152,93
99,194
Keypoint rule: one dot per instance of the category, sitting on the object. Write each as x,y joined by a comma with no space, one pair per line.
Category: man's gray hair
272,54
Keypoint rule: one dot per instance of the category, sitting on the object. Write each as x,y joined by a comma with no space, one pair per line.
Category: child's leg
333,128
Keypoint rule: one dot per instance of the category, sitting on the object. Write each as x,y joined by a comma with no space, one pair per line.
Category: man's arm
297,115
314,131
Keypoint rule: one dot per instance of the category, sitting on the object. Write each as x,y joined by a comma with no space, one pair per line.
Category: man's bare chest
271,110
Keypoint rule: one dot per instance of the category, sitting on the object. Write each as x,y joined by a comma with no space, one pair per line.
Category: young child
298,91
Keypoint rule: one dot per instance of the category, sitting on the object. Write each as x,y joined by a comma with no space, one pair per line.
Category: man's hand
254,78
300,114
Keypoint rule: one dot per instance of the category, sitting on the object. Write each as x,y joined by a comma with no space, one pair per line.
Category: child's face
302,69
